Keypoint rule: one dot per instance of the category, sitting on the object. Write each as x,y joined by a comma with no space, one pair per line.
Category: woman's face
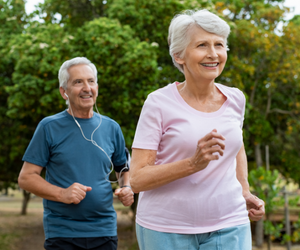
205,56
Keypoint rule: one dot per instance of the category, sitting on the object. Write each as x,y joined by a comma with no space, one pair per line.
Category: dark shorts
93,243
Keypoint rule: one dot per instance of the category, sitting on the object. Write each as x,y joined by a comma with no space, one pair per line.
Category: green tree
125,66
127,40
288,103
34,55
127,69
12,21
264,64
71,13
267,185
150,21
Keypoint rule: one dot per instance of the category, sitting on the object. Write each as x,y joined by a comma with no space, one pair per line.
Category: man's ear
62,92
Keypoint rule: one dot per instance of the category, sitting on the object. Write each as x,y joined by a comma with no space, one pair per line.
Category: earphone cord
95,143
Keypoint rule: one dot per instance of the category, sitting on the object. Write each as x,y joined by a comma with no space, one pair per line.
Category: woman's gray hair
63,74
179,39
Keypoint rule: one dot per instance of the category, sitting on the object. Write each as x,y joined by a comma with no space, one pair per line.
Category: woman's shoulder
229,89
160,94
231,92
166,90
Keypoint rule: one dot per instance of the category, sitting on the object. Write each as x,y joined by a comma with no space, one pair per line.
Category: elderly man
78,148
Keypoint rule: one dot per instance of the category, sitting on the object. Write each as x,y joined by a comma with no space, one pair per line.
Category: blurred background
127,41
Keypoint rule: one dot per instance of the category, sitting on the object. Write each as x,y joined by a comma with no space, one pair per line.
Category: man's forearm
124,179
39,186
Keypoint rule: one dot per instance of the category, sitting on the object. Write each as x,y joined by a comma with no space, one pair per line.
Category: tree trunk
259,227
258,158
268,236
26,198
287,219
267,215
259,233
267,158
269,242
133,208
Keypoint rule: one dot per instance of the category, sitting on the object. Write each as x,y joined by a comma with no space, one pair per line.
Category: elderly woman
188,158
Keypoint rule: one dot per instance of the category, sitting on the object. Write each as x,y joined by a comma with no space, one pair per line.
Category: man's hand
255,207
74,193
125,195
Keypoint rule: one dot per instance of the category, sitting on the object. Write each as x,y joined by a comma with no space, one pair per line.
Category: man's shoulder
56,117
109,121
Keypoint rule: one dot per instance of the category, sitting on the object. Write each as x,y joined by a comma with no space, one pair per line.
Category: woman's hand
209,148
145,175
255,207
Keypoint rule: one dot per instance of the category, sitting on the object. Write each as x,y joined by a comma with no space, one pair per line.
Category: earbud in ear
66,95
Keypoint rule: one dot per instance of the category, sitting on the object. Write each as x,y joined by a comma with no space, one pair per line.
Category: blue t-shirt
59,146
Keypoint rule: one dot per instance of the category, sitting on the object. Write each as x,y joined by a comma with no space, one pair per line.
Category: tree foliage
265,65
12,20
268,186
127,41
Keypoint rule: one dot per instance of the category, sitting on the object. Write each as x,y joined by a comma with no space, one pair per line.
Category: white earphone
94,143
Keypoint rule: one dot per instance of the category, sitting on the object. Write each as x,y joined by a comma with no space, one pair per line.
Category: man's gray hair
63,74
179,39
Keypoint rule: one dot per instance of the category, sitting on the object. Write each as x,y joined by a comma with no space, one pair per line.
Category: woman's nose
212,53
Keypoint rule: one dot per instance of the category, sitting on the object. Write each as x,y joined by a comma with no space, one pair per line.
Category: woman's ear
178,59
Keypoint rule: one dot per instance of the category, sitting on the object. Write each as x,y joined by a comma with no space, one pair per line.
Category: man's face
82,88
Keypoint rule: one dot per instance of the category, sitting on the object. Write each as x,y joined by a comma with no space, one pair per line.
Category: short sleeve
149,128
38,151
243,106
119,155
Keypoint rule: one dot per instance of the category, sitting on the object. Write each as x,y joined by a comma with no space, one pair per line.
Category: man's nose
86,86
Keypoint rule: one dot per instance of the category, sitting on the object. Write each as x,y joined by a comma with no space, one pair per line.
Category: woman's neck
202,96
197,90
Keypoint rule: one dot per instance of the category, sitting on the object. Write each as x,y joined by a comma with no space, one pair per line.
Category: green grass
18,204
134,246
119,206
7,240
10,232
13,226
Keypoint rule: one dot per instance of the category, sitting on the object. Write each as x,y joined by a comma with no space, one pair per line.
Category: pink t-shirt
208,200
